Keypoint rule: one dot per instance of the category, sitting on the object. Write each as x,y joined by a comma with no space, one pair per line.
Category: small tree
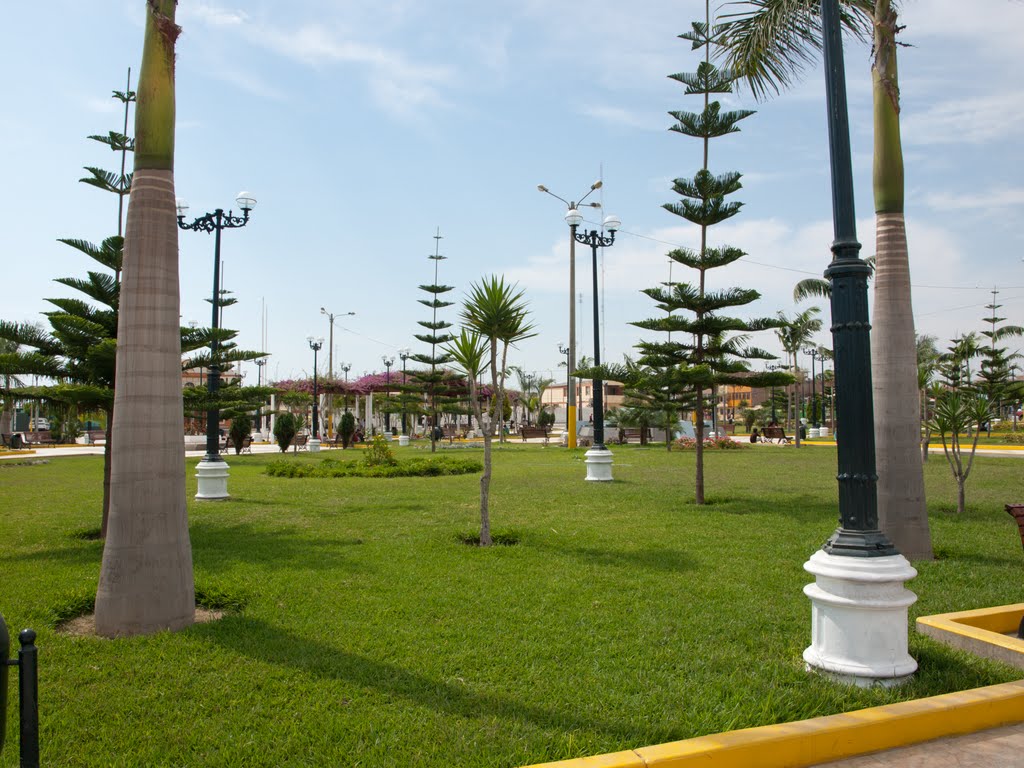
955,413
285,427
241,428
346,428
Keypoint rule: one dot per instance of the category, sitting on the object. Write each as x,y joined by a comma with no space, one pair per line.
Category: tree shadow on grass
83,554
279,647
648,558
218,546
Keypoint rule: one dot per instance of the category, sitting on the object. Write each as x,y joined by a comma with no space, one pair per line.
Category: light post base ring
213,480
599,464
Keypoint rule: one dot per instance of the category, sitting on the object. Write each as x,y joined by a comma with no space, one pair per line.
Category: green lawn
370,636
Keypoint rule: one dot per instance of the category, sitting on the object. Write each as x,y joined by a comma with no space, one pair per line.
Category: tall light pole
568,384
346,367
388,362
815,356
573,210
212,471
774,367
858,601
261,363
599,458
330,364
316,344
404,354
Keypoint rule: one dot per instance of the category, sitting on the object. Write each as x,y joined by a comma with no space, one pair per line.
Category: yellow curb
982,632
23,452
834,737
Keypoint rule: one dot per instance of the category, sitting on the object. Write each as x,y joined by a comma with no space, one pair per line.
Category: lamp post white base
599,464
313,445
403,440
213,480
859,618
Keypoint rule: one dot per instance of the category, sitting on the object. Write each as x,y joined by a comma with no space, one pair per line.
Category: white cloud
625,118
212,15
969,120
996,198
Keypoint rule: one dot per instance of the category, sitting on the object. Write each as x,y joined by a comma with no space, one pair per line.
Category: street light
212,471
388,362
599,458
330,364
404,354
261,363
571,394
316,344
346,367
815,354
774,367
858,601
568,383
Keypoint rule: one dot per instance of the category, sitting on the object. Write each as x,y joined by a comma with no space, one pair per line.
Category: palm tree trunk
146,582
108,457
902,513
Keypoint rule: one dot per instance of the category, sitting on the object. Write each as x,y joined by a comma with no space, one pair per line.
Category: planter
388,436
403,440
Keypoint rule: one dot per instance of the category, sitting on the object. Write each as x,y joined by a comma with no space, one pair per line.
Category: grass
361,630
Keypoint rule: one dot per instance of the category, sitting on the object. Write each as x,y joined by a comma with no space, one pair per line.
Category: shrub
710,444
546,418
346,428
1014,437
424,467
241,427
285,427
378,454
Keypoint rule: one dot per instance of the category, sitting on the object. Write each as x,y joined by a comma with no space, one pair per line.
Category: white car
39,424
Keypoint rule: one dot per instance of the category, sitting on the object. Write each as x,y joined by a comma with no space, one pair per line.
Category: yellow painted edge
983,624
834,737
22,452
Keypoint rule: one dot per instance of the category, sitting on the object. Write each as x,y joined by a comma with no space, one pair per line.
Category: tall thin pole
213,372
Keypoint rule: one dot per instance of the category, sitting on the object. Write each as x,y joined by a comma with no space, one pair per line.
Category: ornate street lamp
858,601
212,471
571,394
346,367
388,362
568,382
815,355
330,364
261,363
598,458
404,354
316,344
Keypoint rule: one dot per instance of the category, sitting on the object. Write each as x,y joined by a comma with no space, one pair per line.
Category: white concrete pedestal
599,464
213,480
859,618
313,445
403,440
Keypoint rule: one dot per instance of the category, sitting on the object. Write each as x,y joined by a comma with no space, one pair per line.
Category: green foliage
285,427
439,466
346,428
241,428
379,454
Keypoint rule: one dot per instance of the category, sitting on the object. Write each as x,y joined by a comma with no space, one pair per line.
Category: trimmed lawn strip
369,635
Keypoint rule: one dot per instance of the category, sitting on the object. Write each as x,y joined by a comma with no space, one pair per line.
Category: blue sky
362,127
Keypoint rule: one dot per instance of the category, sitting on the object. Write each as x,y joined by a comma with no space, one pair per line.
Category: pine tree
994,377
433,383
713,348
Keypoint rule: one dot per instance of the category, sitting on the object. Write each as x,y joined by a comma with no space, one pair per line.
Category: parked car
39,424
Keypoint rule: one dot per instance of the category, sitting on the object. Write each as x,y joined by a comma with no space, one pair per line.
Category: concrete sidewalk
995,748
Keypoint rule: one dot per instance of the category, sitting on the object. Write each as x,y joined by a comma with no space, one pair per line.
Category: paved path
996,748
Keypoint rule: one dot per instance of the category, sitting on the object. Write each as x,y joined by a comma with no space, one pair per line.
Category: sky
363,129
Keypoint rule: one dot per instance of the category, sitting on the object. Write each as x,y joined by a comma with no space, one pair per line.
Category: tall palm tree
146,582
769,43
794,335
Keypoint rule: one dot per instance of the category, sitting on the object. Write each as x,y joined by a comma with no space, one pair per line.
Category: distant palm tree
769,43
794,335
146,581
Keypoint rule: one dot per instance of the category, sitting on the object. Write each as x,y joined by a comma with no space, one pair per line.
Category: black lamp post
346,367
260,364
215,222
814,355
774,367
573,211
858,534
316,344
594,239
404,354
568,380
388,362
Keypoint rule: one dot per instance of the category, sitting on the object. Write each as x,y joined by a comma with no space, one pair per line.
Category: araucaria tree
437,335
994,375
767,43
707,347
146,581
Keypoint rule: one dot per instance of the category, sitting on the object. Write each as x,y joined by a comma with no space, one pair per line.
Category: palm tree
794,335
146,581
768,45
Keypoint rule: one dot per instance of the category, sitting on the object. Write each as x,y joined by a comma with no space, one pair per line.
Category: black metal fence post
28,693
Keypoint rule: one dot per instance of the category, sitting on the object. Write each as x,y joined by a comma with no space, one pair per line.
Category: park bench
12,441
246,444
301,443
634,433
773,435
532,432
